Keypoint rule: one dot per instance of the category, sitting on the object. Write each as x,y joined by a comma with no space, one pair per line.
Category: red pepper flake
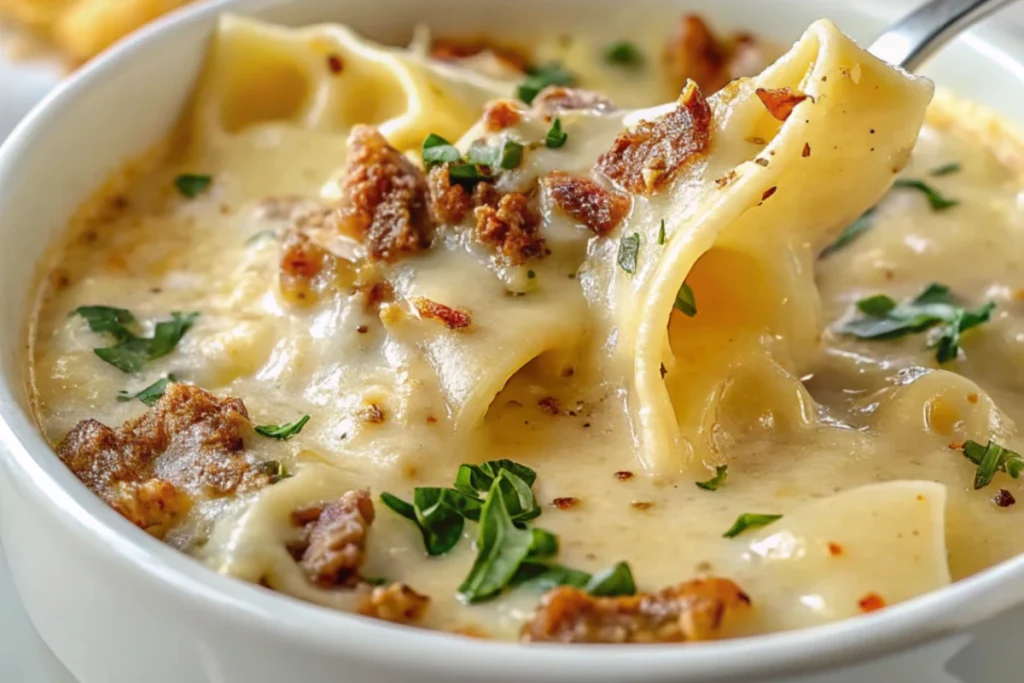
1003,498
335,64
769,192
780,102
431,419
566,503
623,475
362,329
956,446
641,505
371,413
807,150
872,602
453,318
549,404
835,549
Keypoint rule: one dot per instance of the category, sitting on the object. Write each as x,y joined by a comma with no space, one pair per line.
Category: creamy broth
859,412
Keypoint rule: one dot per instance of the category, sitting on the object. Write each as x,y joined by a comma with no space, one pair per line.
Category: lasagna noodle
744,225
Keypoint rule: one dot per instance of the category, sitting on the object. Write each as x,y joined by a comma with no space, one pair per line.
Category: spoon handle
915,37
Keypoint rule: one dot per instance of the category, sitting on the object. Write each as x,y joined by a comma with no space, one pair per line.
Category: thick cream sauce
156,252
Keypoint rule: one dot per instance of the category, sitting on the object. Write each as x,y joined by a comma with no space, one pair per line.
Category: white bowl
116,605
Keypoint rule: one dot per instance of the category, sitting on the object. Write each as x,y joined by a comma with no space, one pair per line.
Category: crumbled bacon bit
871,602
455,49
449,203
397,603
335,534
556,98
372,413
501,114
780,102
956,446
374,294
647,158
587,202
306,269
188,445
550,405
453,318
623,475
1003,498
768,193
694,52
335,64
690,611
509,226
566,503
384,198
835,549
807,150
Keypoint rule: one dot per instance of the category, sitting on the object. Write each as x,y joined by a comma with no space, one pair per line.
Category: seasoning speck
362,329
335,64
769,192
623,475
807,150
641,505
566,503
1003,498
835,549
549,404
871,602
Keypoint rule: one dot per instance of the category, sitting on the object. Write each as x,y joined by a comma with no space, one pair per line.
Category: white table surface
24,658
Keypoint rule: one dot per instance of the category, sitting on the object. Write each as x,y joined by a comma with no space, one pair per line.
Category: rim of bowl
34,469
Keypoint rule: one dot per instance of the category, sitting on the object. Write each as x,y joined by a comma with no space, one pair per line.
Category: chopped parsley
885,319
936,200
436,150
556,137
946,169
150,394
991,458
661,232
375,581
282,432
629,251
685,301
130,351
623,53
612,582
712,484
749,520
540,77
276,470
191,185
850,232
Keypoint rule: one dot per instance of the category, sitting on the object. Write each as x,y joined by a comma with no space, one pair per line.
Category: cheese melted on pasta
580,357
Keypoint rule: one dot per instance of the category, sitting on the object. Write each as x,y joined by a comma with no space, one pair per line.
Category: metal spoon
916,37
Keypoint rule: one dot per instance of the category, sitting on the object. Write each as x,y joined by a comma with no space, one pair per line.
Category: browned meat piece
691,611
780,103
397,603
509,227
694,52
647,158
456,49
448,203
501,114
556,98
588,202
336,533
306,270
188,444
453,318
384,198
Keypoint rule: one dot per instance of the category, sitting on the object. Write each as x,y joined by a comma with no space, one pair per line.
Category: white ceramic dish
117,606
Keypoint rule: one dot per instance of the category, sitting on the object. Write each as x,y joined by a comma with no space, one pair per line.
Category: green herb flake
467,174
150,394
685,301
510,154
282,432
629,251
398,505
612,582
375,581
935,199
749,520
991,458
713,484
530,275
886,319
131,352
440,523
555,137
276,470
850,233
436,150
946,169
661,232
623,53
540,77
542,576
191,185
